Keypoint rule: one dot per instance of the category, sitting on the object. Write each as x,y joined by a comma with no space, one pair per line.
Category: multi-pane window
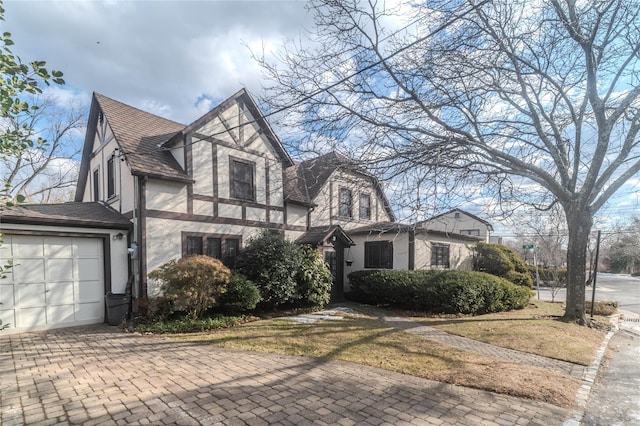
111,178
378,254
232,247
242,180
96,185
365,206
345,203
440,255
474,232
194,246
214,247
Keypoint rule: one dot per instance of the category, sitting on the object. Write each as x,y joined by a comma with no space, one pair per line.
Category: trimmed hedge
463,292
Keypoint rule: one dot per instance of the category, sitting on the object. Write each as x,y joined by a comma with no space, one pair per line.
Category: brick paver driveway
99,375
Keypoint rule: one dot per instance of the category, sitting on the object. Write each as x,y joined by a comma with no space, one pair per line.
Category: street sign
527,246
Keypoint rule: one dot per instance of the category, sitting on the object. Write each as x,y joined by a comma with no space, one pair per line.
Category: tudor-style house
151,190
202,188
210,186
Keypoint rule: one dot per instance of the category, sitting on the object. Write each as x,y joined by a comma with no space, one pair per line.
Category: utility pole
595,275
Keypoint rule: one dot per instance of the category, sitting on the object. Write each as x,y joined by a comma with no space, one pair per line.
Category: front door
335,261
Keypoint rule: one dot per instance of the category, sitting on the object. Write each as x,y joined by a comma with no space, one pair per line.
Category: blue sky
175,59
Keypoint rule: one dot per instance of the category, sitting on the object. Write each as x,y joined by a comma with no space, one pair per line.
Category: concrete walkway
98,375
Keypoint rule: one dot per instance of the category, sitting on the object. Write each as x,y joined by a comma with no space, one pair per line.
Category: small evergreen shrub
502,261
194,283
242,295
272,263
314,279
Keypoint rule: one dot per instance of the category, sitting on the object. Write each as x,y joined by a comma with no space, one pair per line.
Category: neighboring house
390,245
65,258
458,221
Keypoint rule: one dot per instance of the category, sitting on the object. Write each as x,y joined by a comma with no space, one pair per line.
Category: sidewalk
615,398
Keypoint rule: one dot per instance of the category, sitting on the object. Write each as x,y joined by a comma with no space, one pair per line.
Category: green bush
242,295
463,292
314,279
188,325
272,263
194,283
502,261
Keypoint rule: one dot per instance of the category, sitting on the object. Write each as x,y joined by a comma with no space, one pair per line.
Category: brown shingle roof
90,215
395,227
140,135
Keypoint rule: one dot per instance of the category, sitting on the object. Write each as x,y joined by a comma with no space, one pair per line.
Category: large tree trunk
579,223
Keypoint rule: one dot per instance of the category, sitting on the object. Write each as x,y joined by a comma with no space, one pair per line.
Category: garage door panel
90,291
8,316
60,293
61,314
7,294
90,269
58,247
59,270
28,270
90,311
32,317
88,247
28,247
33,294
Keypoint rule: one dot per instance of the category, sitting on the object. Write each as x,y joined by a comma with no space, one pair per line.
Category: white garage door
55,282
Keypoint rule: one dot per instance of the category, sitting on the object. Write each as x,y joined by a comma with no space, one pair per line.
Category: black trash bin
117,307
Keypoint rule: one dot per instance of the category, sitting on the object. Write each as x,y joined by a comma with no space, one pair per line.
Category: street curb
589,377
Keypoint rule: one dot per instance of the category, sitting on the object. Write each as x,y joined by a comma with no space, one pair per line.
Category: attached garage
65,258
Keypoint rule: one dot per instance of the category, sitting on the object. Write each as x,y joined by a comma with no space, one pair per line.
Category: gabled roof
395,227
306,179
247,100
138,135
320,235
143,138
89,215
488,224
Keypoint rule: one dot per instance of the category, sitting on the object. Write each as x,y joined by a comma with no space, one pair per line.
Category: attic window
100,117
457,215
242,179
345,201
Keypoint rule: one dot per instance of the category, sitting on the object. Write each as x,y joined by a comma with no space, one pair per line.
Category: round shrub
502,261
194,283
314,278
272,263
490,258
242,295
